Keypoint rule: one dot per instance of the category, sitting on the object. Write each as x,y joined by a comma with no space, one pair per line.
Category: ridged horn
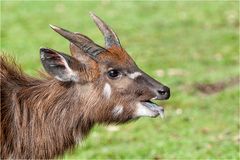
81,41
110,37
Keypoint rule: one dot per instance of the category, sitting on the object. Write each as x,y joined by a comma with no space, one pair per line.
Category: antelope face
128,88
122,91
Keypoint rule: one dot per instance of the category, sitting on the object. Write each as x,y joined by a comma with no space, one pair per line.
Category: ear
60,65
79,54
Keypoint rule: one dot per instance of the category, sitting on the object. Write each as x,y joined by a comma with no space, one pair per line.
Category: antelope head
112,86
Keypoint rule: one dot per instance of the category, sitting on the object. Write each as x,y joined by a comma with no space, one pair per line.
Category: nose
163,93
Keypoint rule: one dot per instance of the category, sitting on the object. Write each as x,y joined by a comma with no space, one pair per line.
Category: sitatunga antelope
42,118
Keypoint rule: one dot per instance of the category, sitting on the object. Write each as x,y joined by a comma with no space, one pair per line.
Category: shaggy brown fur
35,115
41,118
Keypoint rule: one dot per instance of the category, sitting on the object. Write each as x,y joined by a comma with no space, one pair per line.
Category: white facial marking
134,75
107,90
117,110
154,98
143,111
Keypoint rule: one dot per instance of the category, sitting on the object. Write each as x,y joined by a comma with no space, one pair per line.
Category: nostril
162,92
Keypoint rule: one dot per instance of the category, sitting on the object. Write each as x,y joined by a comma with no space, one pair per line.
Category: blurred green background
181,44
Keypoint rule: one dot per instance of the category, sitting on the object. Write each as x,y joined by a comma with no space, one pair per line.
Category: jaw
148,109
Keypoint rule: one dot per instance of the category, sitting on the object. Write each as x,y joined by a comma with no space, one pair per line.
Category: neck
52,114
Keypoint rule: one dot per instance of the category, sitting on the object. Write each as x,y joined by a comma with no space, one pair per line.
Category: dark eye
113,73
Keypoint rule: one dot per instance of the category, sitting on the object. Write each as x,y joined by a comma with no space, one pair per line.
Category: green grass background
190,42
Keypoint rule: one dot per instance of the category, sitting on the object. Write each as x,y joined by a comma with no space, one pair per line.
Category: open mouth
154,108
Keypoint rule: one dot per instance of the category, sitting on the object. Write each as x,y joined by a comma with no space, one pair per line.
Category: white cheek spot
107,90
117,110
134,75
142,111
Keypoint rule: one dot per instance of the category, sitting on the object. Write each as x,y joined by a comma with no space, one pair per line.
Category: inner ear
59,65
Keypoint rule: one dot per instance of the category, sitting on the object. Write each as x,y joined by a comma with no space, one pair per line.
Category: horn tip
92,15
54,27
